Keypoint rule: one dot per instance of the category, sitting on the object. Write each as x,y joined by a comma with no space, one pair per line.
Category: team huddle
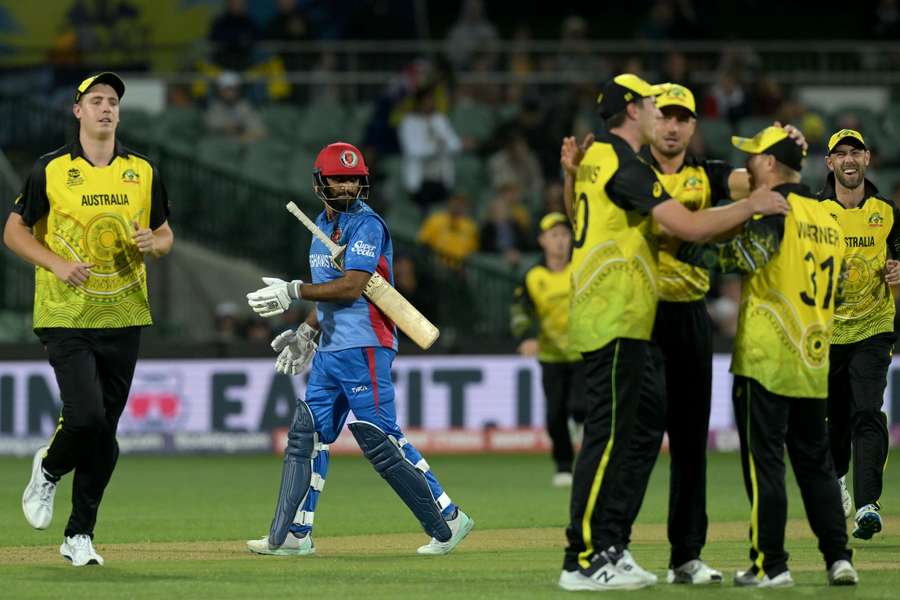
648,221
615,313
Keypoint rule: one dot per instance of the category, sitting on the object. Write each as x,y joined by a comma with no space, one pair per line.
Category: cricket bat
380,293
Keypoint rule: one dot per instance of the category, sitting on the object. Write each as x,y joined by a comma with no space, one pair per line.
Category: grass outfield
174,527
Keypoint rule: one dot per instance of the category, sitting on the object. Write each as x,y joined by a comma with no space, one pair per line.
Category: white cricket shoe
292,546
694,572
37,500
562,480
750,578
627,563
602,575
459,527
846,500
842,573
80,550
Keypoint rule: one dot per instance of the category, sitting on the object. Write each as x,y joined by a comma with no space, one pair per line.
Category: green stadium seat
184,124
137,126
885,179
471,177
717,135
472,120
266,161
282,121
299,172
221,151
322,124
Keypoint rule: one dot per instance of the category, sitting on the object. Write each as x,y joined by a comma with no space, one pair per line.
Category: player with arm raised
351,368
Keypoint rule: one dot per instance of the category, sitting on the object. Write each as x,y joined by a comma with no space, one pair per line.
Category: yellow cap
550,220
111,79
774,141
676,95
622,89
847,134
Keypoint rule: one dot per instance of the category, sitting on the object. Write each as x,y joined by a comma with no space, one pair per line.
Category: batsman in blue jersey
351,369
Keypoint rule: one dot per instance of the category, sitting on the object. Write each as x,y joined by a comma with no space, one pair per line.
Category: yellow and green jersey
614,290
84,213
871,234
541,308
792,269
698,185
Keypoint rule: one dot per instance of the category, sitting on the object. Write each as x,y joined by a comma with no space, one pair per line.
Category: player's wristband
294,289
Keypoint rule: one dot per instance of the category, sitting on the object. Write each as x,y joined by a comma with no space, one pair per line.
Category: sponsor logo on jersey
360,388
657,189
363,249
73,177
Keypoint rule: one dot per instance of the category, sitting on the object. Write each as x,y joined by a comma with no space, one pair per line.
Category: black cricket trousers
94,369
563,384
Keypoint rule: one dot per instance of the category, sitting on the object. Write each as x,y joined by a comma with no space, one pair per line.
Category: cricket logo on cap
349,159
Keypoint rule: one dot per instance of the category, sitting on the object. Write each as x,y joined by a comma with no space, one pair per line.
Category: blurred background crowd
459,108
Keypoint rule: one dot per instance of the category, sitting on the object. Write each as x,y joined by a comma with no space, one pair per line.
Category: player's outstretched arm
704,225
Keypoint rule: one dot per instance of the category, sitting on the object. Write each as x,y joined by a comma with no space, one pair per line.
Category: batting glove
275,298
296,349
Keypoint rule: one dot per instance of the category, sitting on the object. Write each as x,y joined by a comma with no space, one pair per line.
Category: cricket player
88,217
862,343
351,369
792,275
540,317
683,334
611,195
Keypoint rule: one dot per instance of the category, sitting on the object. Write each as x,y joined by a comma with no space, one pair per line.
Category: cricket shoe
37,500
627,563
562,480
460,526
751,578
694,572
846,501
292,546
842,573
603,574
80,550
868,522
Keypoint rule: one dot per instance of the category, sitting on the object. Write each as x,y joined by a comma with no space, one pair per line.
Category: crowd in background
518,150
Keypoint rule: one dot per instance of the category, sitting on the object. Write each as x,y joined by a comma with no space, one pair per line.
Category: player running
863,340
351,369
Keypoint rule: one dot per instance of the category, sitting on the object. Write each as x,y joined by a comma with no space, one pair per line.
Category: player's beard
853,181
667,150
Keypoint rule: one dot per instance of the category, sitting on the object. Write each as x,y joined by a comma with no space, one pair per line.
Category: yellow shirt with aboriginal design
698,185
84,213
872,235
542,303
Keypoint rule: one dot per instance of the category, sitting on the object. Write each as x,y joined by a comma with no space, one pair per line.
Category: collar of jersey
689,159
828,192
792,188
75,151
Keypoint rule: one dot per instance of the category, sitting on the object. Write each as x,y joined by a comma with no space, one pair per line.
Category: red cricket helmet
340,159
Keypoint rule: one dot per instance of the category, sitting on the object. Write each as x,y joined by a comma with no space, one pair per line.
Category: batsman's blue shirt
360,323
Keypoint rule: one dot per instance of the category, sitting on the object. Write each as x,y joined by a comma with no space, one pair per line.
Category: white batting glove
275,298
296,349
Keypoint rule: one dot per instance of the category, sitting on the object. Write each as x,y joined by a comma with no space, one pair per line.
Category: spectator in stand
676,70
502,233
230,114
227,323
724,310
288,25
553,198
520,63
886,20
767,97
727,99
429,144
234,35
451,233
515,162
471,34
